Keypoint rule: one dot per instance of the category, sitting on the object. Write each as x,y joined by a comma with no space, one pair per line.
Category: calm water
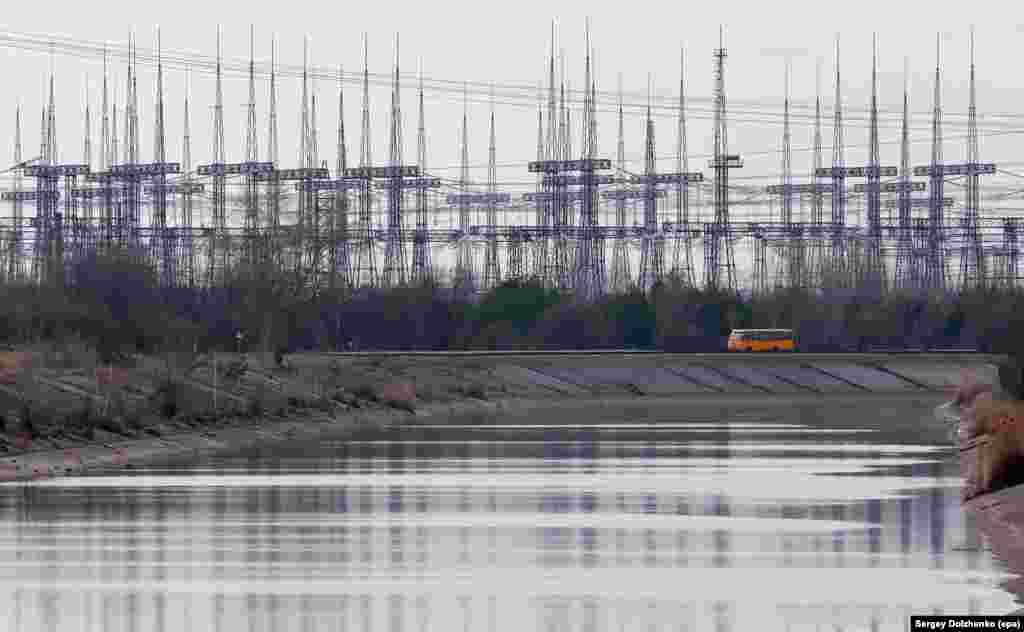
716,519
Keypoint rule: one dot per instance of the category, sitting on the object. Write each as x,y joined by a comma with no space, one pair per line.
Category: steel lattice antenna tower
133,188
817,206
650,251
105,157
838,254
341,264
314,138
599,267
560,214
719,245
159,234
273,184
936,269
545,244
621,275
492,271
682,256
251,142
906,274
14,252
87,137
789,273
136,139
39,246
87,159
1010,230
464,256
116,203
394,247
307,197
541,215
108,155
113,132
42,137
589,263
251,156
127,112
316,245
366,260
186,201
218,242
49,239
567,128
875,266
51,125
972,261
421,264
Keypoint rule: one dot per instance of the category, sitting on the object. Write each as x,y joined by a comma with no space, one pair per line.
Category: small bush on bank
256,407
365,391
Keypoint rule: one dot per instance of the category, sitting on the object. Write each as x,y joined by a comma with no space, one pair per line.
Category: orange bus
762,340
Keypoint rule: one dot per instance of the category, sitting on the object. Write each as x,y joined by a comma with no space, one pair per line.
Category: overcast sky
507,44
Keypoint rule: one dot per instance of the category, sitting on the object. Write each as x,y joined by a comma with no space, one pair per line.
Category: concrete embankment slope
586,374
331,395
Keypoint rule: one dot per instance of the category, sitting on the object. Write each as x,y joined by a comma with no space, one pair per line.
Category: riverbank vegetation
114,305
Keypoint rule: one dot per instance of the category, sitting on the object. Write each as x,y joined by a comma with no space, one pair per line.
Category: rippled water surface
728,518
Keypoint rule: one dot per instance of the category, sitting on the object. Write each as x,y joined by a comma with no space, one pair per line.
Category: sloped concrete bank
523,387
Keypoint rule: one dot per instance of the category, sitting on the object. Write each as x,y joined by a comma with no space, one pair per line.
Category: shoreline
240,433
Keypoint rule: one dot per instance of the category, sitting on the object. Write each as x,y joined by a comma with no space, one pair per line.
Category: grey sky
508,44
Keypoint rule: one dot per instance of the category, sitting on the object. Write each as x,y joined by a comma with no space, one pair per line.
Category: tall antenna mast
838,254
394,248
936,269
621,275
973,272
106,159
251,142
718,248
421,246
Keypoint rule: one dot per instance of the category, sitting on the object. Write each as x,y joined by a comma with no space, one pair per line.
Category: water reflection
601,527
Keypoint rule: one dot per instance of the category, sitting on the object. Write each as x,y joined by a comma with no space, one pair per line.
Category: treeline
115,304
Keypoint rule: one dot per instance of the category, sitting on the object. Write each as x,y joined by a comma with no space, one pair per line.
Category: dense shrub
116,305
